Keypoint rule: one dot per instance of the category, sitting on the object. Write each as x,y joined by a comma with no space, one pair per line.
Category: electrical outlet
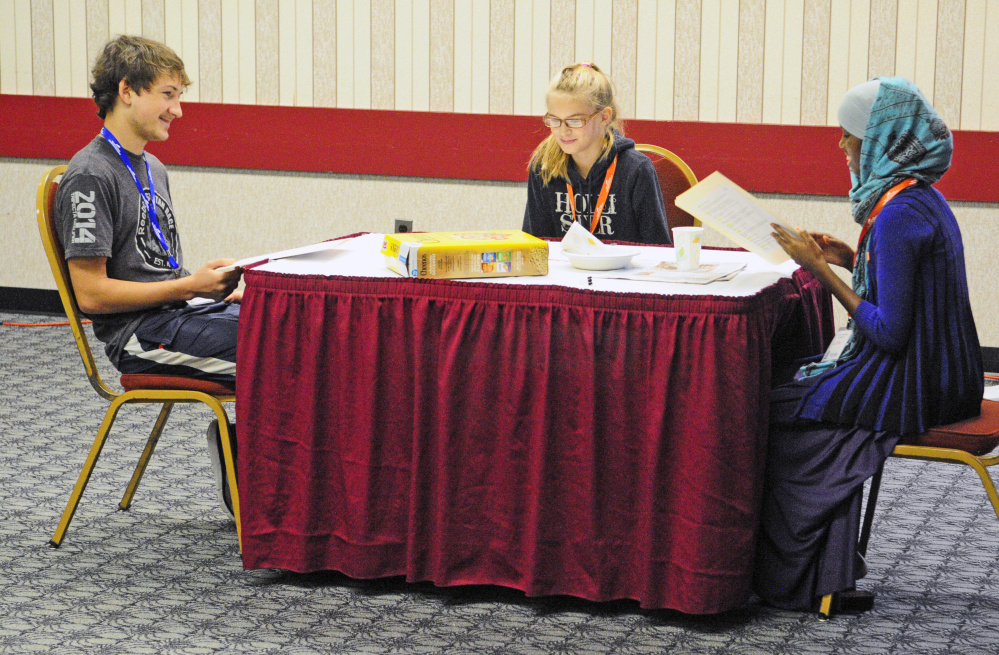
403,225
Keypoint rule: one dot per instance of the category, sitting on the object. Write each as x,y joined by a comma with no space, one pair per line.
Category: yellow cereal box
492,253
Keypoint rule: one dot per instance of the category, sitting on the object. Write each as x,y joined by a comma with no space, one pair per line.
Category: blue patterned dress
917,364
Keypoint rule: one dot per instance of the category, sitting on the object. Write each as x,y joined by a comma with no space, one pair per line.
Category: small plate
619,259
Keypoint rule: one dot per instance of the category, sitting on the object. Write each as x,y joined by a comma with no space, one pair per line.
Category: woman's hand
835,251
801,247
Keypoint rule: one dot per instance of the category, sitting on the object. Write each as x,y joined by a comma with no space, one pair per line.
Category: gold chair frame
675,160
666,154
167,397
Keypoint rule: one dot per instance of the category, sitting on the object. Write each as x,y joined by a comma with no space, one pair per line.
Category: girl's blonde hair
586,82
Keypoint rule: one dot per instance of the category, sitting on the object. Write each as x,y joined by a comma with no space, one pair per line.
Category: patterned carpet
165,577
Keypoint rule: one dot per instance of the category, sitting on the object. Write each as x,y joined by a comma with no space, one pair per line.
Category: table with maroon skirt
557,440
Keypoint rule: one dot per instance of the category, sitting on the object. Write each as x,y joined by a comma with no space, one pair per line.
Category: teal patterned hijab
905,137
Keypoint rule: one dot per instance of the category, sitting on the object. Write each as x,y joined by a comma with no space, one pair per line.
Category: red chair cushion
673,182
133,381
978,435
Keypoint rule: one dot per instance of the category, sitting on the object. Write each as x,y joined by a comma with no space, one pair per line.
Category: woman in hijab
913,360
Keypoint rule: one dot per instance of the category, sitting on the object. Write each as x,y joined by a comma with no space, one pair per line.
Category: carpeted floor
165,577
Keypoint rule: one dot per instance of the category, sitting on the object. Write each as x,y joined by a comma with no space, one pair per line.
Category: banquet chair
675,177
165,390
972,442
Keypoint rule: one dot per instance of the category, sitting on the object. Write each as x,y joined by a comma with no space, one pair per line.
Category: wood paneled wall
746,61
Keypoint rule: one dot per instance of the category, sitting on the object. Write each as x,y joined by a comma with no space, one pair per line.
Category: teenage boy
116,223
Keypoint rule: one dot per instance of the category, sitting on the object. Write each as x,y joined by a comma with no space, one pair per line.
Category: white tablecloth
361,256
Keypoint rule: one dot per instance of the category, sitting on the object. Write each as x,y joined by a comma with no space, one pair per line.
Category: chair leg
872,502
825,608
147,452
229,467
88,469
990,487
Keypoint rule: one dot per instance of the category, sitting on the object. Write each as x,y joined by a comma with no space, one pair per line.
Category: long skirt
815,475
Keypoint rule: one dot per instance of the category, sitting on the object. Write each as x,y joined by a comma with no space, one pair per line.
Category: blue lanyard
150,201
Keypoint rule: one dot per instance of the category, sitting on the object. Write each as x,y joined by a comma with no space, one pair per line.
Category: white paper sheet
724,206
335,244
668,272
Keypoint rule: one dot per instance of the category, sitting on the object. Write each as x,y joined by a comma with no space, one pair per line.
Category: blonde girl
586,171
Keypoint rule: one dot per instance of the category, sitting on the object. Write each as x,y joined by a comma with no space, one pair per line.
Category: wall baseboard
991,357
31,301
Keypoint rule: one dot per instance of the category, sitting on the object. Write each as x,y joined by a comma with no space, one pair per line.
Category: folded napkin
579,241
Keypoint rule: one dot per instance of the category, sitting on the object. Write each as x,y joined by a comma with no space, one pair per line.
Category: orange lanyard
891,193
601,199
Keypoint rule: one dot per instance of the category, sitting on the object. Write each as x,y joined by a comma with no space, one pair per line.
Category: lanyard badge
148,201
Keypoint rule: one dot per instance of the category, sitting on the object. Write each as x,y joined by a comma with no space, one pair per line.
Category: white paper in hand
251,262
730,210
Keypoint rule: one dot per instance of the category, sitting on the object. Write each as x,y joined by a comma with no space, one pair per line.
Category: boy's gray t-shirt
99,213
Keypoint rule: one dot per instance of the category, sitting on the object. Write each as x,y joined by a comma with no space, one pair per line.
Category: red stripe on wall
761,158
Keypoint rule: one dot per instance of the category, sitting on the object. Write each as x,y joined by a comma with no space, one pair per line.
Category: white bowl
620,258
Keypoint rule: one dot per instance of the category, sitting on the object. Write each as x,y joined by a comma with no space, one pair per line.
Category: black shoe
853,602
218,463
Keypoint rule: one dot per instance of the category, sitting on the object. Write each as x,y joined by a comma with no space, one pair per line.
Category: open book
724,206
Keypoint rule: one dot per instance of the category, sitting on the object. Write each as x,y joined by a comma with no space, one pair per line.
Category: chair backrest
45,203
675,177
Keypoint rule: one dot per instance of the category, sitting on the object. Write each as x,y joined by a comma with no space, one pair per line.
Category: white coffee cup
687,245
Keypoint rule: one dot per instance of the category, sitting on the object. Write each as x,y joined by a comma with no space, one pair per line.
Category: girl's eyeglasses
574,123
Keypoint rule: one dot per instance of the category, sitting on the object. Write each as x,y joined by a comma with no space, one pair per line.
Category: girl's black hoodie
634,210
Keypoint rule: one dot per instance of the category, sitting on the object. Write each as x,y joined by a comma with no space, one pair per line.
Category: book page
722,205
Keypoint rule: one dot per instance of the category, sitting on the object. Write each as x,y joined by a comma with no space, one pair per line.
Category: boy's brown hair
138,61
